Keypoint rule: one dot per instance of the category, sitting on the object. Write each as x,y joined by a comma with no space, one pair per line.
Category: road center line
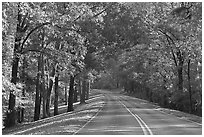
144,124
145,129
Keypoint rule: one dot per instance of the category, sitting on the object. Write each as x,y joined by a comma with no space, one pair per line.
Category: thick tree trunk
43,90
12,115
44,97
14,70
24,88
189,87
37,94
83,92
16,53
180,79
75,94
180,71
12,101
48,97
56,95
71,93
80,88
22,114
87,89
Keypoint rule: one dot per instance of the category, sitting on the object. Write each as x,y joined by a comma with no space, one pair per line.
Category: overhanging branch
168,39
46,23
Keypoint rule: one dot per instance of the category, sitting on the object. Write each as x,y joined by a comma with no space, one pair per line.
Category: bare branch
168,39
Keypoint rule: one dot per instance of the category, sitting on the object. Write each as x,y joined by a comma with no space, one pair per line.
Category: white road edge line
88,121
139,120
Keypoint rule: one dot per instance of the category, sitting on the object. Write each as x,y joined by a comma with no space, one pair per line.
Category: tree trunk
43,90
50,90
56,95
44,97
11,117
180,71
189,87
24,88
17,46
80,88
65,93
14,69
22,114
180,79
83,92
37,94
87,89
71,93
75,94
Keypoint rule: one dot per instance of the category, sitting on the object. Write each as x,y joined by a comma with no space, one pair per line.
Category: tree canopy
151,50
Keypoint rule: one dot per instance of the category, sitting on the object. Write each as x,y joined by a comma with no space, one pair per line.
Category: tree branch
46,23
24,19
172,52
97,14
168,39
70,29
100,12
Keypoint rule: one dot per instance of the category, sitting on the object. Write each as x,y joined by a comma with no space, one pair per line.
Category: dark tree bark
11,113
75,94
20,31
56,95
87,89
37,94
180,71
14,73
44,92
80,89
71,93
83,92
24,88
189,87
65,94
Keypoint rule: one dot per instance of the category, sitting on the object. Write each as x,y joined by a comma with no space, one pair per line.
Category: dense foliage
54,51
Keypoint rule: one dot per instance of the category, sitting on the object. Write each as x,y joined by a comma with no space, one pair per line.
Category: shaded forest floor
67,122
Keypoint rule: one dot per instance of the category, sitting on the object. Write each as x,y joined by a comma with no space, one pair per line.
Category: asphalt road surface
123,115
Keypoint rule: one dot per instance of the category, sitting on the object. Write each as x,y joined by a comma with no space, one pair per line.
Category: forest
54,53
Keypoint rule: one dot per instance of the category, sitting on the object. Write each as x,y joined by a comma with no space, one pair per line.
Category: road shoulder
179,114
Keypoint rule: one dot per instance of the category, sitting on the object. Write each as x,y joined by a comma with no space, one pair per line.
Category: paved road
126,115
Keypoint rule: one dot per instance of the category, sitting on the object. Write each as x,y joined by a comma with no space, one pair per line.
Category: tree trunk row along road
124,115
